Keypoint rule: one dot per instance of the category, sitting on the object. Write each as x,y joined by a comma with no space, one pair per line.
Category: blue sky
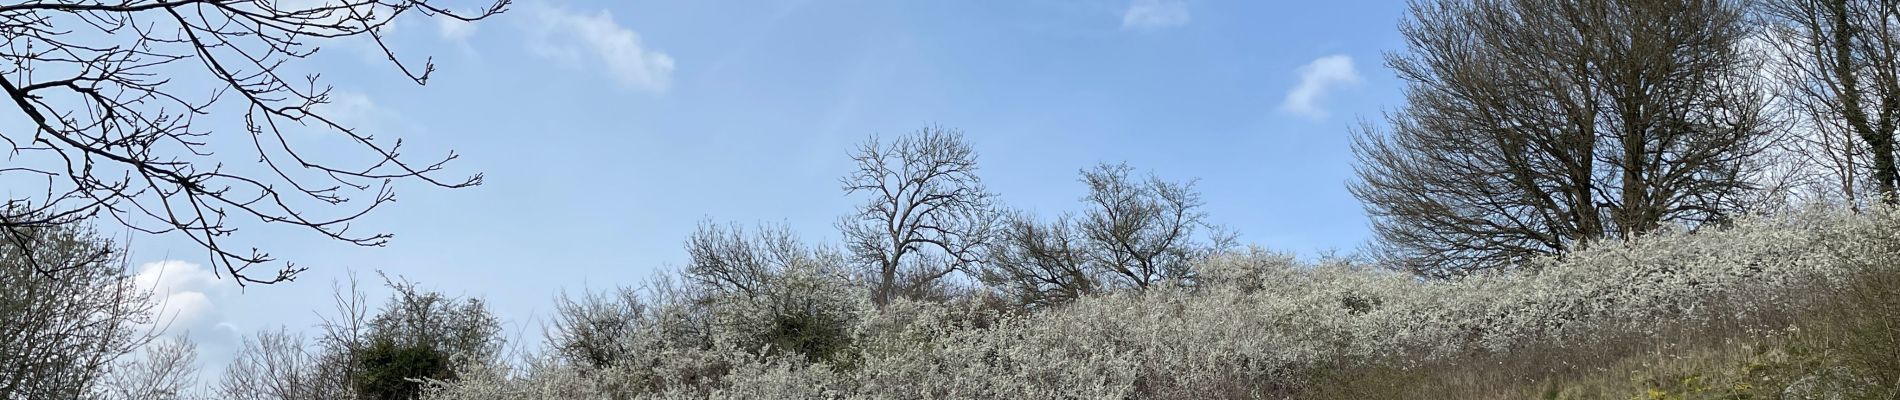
609,129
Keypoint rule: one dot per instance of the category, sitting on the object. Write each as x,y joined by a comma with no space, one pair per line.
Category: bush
421,335
392,371
1674,312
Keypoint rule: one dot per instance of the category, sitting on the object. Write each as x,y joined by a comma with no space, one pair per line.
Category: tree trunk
1847,73
1884,171
887,283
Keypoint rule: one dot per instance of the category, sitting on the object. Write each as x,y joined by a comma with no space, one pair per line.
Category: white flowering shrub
696,336
1255,324
803,311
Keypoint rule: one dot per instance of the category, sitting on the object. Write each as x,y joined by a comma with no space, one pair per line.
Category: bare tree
926,214
1040,264
1135,234
121,96
60,332
727,260
1536,126
596,330
1840,70
334,359
1142,231
166,370
272,365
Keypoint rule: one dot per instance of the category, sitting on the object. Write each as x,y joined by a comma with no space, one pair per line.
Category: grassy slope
1847,345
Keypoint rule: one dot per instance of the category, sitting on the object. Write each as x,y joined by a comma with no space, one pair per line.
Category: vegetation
1534,127
69,311
1136,234
1662,199
1840,71
925,214
1771,305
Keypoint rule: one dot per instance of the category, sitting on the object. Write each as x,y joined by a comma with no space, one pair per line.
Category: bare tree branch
114,90
1838,65
1533,127
924,196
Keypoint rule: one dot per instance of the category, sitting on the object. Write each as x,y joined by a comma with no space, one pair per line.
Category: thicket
1797,303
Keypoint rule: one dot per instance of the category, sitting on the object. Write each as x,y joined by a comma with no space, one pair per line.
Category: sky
608,130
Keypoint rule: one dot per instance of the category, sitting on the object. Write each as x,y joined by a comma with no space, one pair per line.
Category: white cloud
580,39
179,290
454,30
1317,79
1155,14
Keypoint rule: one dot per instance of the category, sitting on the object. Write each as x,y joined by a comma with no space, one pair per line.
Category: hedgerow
1253,324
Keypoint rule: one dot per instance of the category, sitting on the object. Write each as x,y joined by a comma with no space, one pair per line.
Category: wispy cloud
454,30
595,40
360,112
1317,79
1155,14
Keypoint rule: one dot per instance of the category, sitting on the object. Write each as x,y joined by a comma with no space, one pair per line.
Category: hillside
1793,306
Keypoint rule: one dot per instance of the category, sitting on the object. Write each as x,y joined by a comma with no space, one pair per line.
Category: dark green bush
392,371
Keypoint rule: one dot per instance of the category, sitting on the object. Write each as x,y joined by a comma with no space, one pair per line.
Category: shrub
418,336
1670,306
392,371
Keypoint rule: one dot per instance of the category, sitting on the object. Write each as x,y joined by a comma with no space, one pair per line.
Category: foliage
422,335
746,297
416,336
390,370
1262,324
68,311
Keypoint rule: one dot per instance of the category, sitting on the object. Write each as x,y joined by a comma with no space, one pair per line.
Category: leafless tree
272,365
728,260
121,97
1535,126
595,330
1135,234
1142,231
166,369
60,332
334,356
926,213
1839,66
1040,264
281,365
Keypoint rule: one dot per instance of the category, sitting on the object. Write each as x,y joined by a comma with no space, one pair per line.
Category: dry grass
1844,344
